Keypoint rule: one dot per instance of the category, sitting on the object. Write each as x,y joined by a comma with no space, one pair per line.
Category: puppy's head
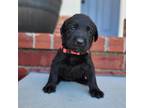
78,32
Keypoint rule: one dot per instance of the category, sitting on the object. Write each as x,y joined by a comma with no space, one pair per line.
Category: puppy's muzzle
79,42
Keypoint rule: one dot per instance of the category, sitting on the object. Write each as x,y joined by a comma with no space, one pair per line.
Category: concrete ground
71,94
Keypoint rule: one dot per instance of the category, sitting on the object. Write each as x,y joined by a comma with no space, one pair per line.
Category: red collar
64,50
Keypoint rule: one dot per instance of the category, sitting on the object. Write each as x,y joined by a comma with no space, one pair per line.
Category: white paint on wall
122,16
70,7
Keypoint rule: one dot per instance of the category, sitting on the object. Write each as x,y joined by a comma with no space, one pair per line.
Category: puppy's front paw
96,93
49,89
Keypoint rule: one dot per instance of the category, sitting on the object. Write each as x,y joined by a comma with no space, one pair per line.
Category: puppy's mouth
79,49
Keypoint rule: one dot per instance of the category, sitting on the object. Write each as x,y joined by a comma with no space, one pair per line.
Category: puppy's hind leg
83,80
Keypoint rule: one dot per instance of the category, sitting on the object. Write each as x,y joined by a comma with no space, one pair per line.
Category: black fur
78,33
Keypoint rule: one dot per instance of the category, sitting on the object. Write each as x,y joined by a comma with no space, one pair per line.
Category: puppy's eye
74,27
88,28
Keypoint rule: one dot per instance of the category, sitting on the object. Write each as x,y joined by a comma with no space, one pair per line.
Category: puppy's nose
79,41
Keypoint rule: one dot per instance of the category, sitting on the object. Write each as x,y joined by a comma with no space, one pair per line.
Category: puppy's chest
71,68
73,61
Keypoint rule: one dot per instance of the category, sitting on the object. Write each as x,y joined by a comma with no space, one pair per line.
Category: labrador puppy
73,60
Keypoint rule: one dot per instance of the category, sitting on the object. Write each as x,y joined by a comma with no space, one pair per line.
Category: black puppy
73,61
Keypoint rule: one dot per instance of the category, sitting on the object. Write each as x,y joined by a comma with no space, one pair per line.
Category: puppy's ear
95,36
63,28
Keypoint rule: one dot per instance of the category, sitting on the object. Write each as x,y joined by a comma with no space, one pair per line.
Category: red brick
24,41
108,61
23,57
46,59
22,72
57,41
57,30
60,22
42,40
111,73
35,57
116,44
98,45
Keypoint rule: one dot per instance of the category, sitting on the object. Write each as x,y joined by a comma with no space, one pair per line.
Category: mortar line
51,41
106,44
33,35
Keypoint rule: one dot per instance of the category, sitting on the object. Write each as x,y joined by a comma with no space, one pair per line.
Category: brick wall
37,50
